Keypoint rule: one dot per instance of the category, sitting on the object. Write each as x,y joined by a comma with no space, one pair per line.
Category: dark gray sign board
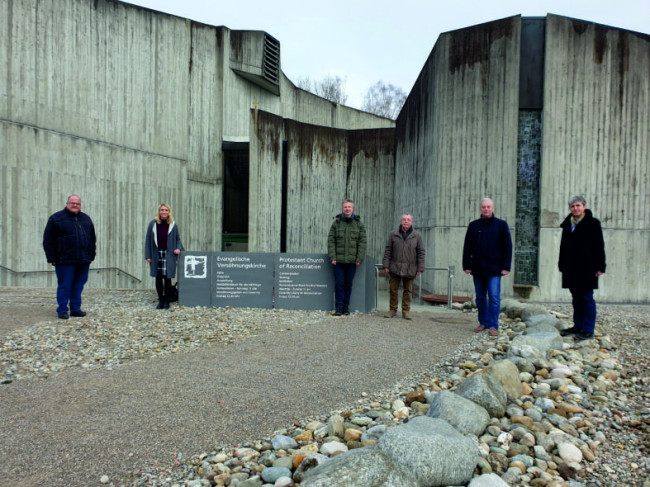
242,279
303,281
267,280
195,278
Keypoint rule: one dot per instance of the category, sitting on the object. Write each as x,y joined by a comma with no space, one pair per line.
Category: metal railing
51,271
450,282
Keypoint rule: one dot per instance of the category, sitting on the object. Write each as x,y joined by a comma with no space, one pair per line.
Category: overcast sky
365,41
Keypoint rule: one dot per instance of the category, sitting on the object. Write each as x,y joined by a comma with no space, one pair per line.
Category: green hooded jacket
346,242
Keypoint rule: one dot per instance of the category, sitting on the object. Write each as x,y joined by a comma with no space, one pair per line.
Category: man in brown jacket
403,260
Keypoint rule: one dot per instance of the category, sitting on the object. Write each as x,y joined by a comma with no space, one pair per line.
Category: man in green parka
346,248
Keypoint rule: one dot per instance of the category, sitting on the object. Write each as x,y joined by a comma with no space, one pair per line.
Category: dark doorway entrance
235,197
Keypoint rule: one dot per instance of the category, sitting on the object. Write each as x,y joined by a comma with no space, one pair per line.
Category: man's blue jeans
584,310
343,277
488,300
71,280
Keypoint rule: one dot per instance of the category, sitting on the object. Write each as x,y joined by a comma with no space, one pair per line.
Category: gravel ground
130,387
131,394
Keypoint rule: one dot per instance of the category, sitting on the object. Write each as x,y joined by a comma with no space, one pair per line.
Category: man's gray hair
487,199
580,199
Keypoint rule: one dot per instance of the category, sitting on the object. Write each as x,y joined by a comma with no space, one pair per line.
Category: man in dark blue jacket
70,244
487,255
582,262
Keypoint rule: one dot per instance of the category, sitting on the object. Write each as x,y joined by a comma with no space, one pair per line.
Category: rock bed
608,386
590,429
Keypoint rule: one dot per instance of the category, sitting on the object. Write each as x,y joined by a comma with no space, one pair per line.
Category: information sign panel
303,281
194,278
242,280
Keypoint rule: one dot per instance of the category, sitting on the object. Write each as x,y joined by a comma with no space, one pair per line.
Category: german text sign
243,280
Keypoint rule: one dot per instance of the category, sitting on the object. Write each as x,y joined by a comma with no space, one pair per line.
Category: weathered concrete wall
90,104
117,196
128,108
457,142
596,142
325,166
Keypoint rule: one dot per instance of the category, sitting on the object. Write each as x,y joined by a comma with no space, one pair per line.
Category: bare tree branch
385,100
331,88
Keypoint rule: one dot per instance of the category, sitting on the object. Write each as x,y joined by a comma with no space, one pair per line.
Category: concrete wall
457,138
456,142
128,108
324,166
596,142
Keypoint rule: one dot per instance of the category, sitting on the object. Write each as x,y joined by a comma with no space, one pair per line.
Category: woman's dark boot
165,303
161,303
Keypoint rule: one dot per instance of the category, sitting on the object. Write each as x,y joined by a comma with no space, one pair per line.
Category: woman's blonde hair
170,219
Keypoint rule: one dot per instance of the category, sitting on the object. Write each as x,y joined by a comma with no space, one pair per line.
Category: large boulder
543,341
359,468
485,391
546,319
307,464
432,450
464,415
512,308
543,327
529,353
507,373
532,310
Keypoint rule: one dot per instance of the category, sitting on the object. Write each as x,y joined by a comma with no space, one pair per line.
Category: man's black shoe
346,311
338,312
584,336
78,314
63,316
569,331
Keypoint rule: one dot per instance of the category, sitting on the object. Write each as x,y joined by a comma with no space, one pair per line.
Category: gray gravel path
75,426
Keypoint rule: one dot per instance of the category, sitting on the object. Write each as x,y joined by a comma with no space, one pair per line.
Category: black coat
488,247
69,238
582,253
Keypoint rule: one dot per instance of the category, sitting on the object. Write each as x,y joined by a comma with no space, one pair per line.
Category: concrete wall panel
121,198
265,202
457,137
325,166
99,70
596,142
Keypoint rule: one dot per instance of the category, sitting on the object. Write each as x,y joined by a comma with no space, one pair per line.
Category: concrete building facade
528,112
130,108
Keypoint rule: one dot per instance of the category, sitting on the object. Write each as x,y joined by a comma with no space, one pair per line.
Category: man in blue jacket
487,255
70,244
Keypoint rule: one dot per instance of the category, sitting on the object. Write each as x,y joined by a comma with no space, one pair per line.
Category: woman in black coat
162,245
582,261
